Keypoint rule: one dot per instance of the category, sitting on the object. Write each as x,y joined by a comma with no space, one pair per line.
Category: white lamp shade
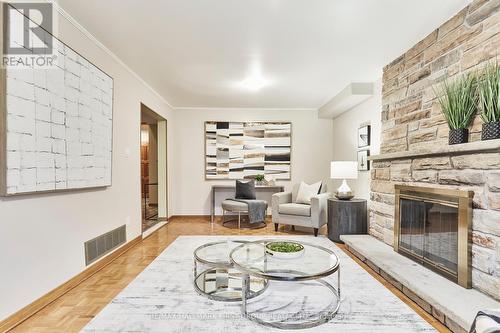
344,170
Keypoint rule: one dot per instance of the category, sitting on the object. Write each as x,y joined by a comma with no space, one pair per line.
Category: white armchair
286,211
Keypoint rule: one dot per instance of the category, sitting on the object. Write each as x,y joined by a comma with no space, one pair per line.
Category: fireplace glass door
429,234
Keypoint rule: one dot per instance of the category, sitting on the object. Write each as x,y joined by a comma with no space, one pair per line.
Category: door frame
162,160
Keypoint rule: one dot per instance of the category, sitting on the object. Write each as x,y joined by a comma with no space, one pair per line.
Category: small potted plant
489,101
458,100
259,179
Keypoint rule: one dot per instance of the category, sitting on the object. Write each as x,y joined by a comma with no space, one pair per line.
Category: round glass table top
216,253
313,262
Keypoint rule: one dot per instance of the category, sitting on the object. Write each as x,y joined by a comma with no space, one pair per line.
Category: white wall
42,236
345,145
311,152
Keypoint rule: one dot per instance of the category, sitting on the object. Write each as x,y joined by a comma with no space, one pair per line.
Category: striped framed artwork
242,150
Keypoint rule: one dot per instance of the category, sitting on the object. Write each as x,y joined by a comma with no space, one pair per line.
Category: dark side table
346,217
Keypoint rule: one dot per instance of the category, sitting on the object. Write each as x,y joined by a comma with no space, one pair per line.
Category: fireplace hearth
433,227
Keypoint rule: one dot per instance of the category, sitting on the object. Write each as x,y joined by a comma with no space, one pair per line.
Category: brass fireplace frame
456,198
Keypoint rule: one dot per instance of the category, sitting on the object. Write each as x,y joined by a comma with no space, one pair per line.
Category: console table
258,188
346,217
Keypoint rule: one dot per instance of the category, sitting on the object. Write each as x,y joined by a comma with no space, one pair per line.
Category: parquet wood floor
72,311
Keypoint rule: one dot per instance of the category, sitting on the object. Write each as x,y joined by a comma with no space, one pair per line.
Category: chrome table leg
195,269
245,289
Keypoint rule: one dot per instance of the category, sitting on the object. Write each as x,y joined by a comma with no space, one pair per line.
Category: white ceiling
196,53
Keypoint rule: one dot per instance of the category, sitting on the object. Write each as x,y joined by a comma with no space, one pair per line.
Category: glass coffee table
216,278
300,292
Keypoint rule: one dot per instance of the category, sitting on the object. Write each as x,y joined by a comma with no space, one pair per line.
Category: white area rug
162,299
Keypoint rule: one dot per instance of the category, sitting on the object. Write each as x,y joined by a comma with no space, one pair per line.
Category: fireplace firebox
433,227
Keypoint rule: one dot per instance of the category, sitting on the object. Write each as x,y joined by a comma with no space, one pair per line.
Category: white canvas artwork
58,126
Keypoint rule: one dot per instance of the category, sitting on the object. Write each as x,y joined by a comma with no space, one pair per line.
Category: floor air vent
103,244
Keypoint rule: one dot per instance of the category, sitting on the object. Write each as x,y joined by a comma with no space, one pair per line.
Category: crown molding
90,36
197,108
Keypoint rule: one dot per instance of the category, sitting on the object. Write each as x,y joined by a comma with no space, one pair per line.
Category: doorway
154,199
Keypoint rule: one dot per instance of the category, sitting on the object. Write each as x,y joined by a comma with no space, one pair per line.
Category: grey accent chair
287,212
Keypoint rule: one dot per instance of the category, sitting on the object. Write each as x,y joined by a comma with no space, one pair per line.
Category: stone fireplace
433,227
414,148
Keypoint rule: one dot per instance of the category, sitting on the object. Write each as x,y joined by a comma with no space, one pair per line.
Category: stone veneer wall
412,121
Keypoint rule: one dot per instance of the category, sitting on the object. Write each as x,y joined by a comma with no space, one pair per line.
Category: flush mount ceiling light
254,82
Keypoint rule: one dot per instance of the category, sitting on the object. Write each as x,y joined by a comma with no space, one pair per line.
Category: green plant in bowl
284,250
284,247
259,178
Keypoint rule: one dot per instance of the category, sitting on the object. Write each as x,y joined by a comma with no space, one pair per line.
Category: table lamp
344,170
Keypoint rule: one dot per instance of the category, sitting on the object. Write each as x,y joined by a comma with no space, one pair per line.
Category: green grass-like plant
458,100
489,93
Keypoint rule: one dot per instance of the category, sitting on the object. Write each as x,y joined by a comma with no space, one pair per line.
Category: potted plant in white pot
489,101
458,100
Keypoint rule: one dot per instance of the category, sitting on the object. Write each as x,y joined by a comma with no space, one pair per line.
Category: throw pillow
306,192
245,190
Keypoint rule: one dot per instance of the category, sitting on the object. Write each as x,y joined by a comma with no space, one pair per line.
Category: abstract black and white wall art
238,150
364,136
363,162
58,130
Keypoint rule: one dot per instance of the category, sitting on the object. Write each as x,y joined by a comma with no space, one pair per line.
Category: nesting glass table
216,278
287,293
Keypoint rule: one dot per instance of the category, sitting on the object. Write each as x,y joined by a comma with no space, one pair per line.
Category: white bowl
285,255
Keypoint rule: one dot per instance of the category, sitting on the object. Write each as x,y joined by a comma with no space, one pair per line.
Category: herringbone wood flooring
75,309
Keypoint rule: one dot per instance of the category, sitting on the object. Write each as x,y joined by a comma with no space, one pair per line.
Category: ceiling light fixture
254,82
144,135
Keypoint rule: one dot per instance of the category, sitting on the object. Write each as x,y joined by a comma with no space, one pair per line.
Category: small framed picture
363,162
364,136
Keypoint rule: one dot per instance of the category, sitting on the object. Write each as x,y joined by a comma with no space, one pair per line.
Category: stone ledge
464,148
447,301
